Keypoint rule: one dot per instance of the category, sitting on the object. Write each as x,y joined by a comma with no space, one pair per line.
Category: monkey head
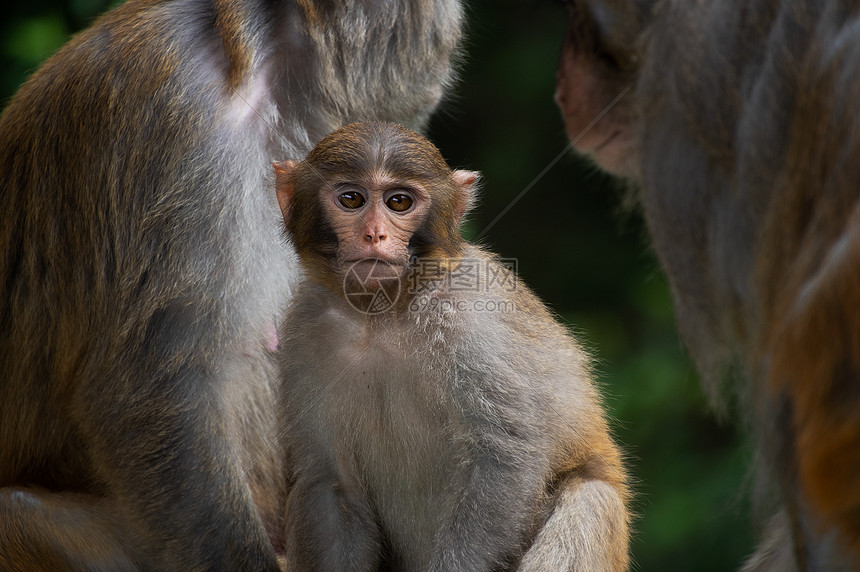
372,192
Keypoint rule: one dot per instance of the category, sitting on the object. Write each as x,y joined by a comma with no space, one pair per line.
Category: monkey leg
167,485
330,527
586,531
41,530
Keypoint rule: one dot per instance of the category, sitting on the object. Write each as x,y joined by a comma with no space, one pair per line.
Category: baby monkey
438,417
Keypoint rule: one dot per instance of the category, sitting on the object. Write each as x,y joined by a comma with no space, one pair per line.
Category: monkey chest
397,441
397,420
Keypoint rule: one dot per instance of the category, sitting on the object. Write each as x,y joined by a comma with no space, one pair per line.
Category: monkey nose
374,237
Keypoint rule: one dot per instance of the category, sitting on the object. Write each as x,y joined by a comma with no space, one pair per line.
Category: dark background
585,255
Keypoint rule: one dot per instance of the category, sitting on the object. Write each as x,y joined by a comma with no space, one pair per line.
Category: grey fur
431,440
142,265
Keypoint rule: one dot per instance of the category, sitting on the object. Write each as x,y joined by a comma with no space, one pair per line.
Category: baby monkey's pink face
371,196
374,218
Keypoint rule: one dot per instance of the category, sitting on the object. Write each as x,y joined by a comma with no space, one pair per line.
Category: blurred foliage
577,248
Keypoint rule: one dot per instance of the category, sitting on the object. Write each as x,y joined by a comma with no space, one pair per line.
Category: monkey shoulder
504,330
550,374
502,299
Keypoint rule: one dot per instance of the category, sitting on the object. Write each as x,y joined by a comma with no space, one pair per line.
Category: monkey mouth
373,272
371,261
606,142
374,260
591,141
372,285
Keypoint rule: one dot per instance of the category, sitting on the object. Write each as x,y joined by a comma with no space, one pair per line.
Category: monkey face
595,79
374,220
372,193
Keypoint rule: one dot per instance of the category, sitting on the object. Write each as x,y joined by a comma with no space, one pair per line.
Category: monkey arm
504,477
495,515
492,515
811,364
545,476
586,527
330,526
808,277
586,531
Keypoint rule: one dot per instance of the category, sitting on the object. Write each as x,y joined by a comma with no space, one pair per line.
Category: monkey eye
399,202
351,199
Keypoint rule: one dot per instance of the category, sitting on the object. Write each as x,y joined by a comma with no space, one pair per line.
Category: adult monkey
741,134
141,273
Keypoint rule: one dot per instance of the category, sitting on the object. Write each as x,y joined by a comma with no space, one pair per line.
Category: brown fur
745,154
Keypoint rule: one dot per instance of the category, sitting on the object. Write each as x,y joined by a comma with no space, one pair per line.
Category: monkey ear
468,191
284,183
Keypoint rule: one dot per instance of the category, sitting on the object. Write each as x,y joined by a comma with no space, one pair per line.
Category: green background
585,255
